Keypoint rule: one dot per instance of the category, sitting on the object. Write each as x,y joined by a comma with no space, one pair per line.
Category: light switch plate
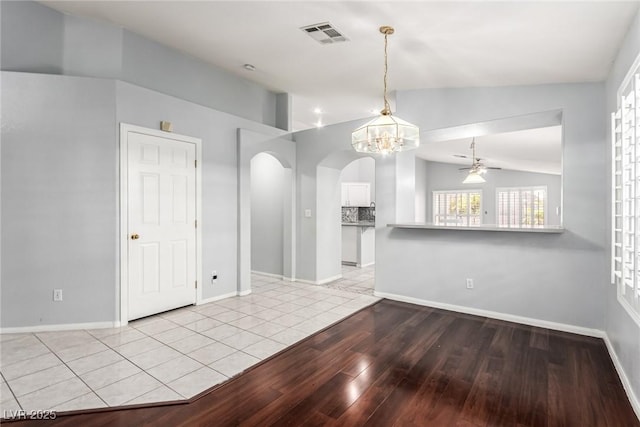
307,213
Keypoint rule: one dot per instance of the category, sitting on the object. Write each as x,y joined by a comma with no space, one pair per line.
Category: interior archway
267,215
329,266
252,144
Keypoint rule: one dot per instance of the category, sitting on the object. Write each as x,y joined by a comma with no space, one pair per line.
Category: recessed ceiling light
319,124
249,67
317,110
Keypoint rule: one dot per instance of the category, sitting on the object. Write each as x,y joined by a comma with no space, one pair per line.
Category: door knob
135,236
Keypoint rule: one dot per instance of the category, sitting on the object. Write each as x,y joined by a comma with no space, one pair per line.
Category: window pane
457,208
521,207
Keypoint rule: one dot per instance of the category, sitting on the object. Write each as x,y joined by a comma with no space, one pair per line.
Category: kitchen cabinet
358,245
356,194
350,245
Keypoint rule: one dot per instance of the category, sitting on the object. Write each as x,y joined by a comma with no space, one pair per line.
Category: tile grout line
72,371
183,354
290,290
11,390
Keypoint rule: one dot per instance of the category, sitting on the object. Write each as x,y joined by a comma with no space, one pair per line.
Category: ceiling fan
477,168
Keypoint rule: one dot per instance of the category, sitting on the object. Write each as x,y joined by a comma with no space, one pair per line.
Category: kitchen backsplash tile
353,215
367,214
349,214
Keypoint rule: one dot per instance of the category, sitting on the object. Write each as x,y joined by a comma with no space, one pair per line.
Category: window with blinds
625,206
457,208
521,207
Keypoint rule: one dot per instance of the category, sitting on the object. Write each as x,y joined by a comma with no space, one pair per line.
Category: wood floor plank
398,364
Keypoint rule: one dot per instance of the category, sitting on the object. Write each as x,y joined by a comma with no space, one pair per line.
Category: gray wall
446,176
422,196
38,39
60,192
31,38
361,170
267,214
321,155
59,200
622,331
554,278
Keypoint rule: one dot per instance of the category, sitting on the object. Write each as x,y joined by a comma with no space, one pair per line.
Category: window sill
427,226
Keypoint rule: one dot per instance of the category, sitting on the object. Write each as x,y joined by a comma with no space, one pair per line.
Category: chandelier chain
387,109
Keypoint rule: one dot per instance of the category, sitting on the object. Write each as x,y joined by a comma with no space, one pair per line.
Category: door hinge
196,223
195,162
196,284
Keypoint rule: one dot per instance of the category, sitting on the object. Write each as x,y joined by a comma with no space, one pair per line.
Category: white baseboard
367,264
320,282
262,273
496,315
217,298
243,293
61,327
626,384
293,279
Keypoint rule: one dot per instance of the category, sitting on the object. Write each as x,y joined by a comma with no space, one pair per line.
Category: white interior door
161,223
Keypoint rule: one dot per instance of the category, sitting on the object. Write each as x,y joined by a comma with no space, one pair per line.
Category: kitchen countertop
360,224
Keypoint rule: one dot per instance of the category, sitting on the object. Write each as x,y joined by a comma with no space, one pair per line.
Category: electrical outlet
469,283
214,276
57,294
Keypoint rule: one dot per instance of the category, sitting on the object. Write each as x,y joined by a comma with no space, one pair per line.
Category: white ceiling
437,44
532,150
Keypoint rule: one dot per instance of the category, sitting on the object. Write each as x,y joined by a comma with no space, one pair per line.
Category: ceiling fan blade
463,169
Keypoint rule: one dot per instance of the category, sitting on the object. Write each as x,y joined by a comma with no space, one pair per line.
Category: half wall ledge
428,226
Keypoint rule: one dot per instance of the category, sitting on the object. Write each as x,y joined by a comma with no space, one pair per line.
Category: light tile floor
355,279
173,355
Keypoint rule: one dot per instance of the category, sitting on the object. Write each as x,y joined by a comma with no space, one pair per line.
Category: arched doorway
252,144
329,266
267,215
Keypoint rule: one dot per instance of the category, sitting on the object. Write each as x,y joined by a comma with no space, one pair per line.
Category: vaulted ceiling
437,44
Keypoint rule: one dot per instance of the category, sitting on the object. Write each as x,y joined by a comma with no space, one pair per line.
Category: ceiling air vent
324,33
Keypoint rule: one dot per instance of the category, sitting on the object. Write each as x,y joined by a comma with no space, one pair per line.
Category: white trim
217,298
631,311
496,315
262,273
367,264
320,282
276,276
122,287
627,78
61,327
244,293
633,399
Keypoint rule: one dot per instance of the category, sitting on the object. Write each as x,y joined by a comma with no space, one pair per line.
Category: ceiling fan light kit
477,169
474,177
385,134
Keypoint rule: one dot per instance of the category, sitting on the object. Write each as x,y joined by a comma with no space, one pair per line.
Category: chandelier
385,134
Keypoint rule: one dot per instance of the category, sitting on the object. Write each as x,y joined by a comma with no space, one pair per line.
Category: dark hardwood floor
396,364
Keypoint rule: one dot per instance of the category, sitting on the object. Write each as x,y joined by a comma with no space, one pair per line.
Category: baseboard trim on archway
321,282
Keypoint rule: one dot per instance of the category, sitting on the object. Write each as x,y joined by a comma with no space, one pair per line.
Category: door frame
122,289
